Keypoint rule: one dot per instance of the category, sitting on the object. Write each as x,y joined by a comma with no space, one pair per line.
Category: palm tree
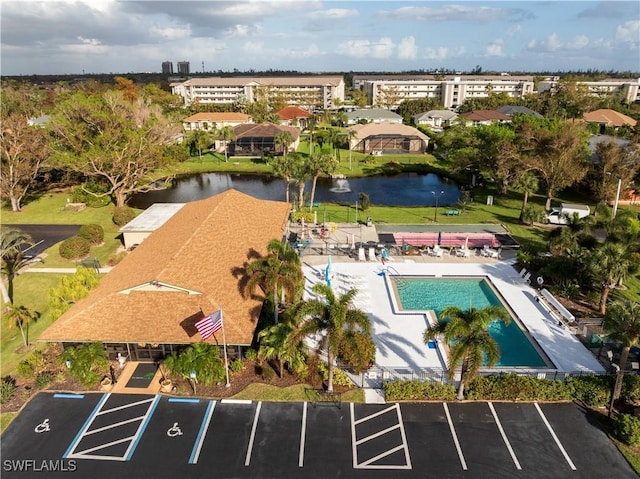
622,324
199,140
320,164
527,183
279,272
300,175
284,139
13,242
469,341
284,167
312,126
22,316
274,344
350,135
609,265
331,317
226,133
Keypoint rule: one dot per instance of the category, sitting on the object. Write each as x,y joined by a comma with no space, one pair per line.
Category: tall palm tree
622,323
312,126
227,134
300,175
279,272
199,140
275,344
13,242
527,183
284,139
284,167
22,316
320,164
609,265
331,317
469,341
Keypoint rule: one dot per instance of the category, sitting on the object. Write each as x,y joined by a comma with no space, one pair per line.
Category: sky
107,36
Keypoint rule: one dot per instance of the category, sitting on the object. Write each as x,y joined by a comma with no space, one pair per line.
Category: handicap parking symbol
174,430
43,426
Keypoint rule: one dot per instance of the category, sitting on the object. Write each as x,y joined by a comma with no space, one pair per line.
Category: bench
452,212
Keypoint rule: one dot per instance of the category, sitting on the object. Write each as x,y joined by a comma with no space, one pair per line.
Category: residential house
511,110
256,139
436,120
373,115
387,138
484,117
608,119
209,121
191,266
294,116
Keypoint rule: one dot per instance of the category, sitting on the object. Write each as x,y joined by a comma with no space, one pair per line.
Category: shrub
358,350
340,378
365,202
591,390
7,388
513,387
82,194
533,214
25,369
415,390
305,215
236,366
44,379
631,389
93,233
267,372
627,429
74,248
88,362
203,358
122,215
251,354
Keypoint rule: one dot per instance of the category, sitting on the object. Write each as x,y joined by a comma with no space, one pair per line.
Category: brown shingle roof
609,118
291,112
264,130
485,115
215,117
195,257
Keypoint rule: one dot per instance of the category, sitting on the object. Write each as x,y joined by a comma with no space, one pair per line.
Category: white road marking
555,438
455,437
377,434
404,438
110,426
247,460
202,433
504,437
303,434
137,403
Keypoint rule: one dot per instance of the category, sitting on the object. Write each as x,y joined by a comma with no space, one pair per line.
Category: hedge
419,390
512,387
93,233
74,248
627,429
122,215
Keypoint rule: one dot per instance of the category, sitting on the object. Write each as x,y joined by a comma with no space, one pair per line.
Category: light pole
436,196
615,204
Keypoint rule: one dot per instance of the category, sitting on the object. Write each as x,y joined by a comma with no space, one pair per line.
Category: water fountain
342,186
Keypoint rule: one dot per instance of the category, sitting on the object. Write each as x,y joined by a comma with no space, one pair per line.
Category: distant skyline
108,36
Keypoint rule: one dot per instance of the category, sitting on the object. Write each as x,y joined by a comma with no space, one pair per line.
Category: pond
405,189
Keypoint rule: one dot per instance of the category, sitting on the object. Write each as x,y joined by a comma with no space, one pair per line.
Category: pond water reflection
405,189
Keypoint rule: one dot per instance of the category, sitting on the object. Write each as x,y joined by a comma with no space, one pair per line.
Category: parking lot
110,435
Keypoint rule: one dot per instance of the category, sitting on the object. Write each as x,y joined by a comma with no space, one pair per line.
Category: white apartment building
312,91
626,89
450,91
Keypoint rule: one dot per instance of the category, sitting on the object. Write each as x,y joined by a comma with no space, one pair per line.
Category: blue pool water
418,293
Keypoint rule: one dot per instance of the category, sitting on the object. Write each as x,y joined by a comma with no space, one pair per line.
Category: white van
561,216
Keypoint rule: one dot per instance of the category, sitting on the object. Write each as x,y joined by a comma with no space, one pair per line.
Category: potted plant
166,385
105,384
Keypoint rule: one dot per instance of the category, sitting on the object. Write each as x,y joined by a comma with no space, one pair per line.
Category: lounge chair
372,254
527,277
361,256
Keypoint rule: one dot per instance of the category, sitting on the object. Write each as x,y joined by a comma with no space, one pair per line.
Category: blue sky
106,36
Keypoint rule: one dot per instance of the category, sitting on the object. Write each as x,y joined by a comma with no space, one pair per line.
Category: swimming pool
417,293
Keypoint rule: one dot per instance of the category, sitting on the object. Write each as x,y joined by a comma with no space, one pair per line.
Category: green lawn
5,420
297,393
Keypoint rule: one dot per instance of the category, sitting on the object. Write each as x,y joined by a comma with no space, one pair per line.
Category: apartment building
167,68
183,67
449,91
308,92
626,89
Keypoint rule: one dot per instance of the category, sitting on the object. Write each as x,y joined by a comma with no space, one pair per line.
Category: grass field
298,392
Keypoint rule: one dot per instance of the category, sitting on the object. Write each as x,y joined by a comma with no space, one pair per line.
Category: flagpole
224,345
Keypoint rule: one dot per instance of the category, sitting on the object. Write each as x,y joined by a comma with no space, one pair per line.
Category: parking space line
86,425
253,434
404,438
303,434
354,446
137,403
380,456
504,437
375,414
68,396
141,428
377,434
191,400
455,437
102,446
110,426
204,427
555,438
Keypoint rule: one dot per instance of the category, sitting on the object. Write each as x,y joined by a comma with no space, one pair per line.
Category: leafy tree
527,183
203,358
199,140
284,167
410,108
359,97
467,333
87,363
332,318
227,134
274,344
622,324
13,242
23,151
300,175
279,272
320,164
556,150
610,263
615,163
22,316
284,140
127,87
72,288
110,137
497,152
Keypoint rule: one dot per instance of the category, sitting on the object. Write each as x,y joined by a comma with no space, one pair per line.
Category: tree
279,272
527,183
332,318
23,151
496,151
109,137
610,263
410,108
128,88
312,126
275,344
556,149
13,243
72,288
22,316
319,164
615,163
622,324
284,167
203,358
227,134
300,175
469,341
199,140
284,140
87,362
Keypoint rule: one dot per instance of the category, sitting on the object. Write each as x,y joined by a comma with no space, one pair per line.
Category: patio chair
361,256
527,277
372,254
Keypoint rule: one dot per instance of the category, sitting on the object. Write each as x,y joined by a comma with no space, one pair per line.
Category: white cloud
169,33
381,49
333,14
443,53
628,32
407,49
253,48
553,43
456,13
495,48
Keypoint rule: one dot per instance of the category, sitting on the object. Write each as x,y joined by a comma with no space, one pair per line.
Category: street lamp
436,196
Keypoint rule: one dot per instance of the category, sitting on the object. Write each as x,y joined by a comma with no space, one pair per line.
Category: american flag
209,325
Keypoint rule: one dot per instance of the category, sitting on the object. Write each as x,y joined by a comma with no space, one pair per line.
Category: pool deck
398,337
